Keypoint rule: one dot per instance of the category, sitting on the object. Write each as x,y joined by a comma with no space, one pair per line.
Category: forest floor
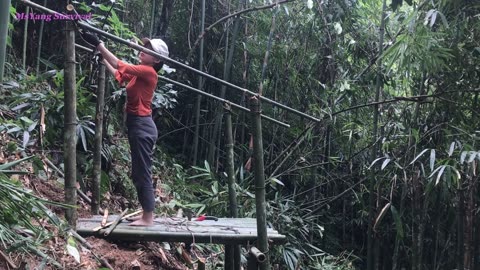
119,255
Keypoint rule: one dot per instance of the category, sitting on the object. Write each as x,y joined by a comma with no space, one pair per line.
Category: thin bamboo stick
115,223
96,229
105,216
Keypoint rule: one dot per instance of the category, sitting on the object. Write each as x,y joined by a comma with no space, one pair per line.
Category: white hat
158,45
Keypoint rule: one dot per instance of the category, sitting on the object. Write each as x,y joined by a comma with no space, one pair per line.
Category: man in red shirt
142,133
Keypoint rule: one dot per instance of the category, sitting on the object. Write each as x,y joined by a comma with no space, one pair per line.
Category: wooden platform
169,229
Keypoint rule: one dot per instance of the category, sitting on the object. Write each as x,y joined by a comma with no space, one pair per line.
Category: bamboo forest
272,135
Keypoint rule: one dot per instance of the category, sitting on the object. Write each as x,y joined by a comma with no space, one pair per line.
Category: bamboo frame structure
171,61
205,94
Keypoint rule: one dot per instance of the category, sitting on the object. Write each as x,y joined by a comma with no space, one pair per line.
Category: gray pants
142,135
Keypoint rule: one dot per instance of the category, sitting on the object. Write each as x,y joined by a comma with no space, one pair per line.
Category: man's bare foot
145,220
134,218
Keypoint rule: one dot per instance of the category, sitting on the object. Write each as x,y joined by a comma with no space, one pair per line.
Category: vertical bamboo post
371,243
25,38
97,152
258,168
70,125
40,39
152,18
4,21
200,85
232,193
252,263
233,250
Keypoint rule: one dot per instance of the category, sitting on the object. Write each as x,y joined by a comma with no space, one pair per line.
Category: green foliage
21,211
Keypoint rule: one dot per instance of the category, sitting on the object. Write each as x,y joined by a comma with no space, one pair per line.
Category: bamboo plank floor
171,229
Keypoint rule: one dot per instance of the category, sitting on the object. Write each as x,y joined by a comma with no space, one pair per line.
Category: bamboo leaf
380,216
452,148
73,251
26,138
418,156
440,173
385,163
473,154
375,161
11,164
432,159
398,221
275,180
433,18
463,155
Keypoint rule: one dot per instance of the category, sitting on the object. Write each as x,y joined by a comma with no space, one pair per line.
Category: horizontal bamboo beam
205,94
130,234
171,61
257,254
221,100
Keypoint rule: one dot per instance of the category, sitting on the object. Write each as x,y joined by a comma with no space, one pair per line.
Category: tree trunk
200,86
97,152
70,125
469,223
226,77
152,17
371,188
4,21
167,9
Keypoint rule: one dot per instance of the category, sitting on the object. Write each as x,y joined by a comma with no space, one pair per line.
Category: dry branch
233,15
110,223
8,260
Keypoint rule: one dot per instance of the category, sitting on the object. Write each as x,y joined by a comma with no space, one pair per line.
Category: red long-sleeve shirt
142,82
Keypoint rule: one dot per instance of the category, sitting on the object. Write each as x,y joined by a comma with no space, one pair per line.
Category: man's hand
91,38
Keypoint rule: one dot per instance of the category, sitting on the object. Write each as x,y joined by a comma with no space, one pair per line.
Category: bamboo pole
25,38
152,17
233,250
40,39
198,101
171,61
258,167
371,241
220,99
97,152
125,232
4,21
257,254
70,125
